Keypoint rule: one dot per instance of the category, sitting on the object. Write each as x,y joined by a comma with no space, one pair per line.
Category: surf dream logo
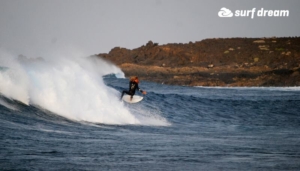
224,12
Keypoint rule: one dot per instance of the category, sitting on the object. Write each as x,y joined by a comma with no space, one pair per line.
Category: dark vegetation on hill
214,62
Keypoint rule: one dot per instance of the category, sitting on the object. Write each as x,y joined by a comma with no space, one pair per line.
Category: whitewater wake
68,85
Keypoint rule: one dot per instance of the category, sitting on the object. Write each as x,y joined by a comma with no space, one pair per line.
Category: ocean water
68,116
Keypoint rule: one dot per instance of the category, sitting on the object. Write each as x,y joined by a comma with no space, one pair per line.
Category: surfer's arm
143,92
140,90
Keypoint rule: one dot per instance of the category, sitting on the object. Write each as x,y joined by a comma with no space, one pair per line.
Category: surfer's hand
144,92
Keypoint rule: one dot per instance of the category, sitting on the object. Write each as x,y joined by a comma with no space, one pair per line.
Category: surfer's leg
124,93
131,95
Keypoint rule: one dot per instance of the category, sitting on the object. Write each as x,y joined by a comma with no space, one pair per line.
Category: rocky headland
214,62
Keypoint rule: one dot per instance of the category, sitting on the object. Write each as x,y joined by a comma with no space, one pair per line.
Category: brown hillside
215,62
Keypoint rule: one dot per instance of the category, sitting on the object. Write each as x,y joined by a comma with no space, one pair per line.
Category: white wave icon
224,12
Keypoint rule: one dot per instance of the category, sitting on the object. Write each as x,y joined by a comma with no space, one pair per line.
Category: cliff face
214,62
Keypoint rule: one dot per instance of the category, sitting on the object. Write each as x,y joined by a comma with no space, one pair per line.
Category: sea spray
72,86
150,115
13,79
69,86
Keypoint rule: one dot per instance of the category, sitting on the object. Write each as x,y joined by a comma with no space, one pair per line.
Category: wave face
68,85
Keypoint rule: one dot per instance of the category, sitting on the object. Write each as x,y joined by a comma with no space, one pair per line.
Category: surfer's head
134,79
137,80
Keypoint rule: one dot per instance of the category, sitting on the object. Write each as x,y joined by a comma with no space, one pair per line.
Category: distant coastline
251,62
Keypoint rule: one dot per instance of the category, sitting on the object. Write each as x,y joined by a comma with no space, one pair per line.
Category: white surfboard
134,99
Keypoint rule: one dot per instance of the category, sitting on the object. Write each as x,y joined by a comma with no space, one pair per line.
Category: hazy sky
31,27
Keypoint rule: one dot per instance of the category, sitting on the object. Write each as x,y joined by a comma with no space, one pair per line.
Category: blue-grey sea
190,128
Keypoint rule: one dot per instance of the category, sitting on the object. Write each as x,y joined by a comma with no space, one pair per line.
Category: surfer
133,85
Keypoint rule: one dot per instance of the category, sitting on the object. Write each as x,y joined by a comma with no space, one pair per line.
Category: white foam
64,87
69,85
13,80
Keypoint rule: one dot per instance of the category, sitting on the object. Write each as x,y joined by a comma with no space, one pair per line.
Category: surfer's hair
133,78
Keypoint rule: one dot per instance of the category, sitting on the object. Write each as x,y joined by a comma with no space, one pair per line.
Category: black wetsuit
132,87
